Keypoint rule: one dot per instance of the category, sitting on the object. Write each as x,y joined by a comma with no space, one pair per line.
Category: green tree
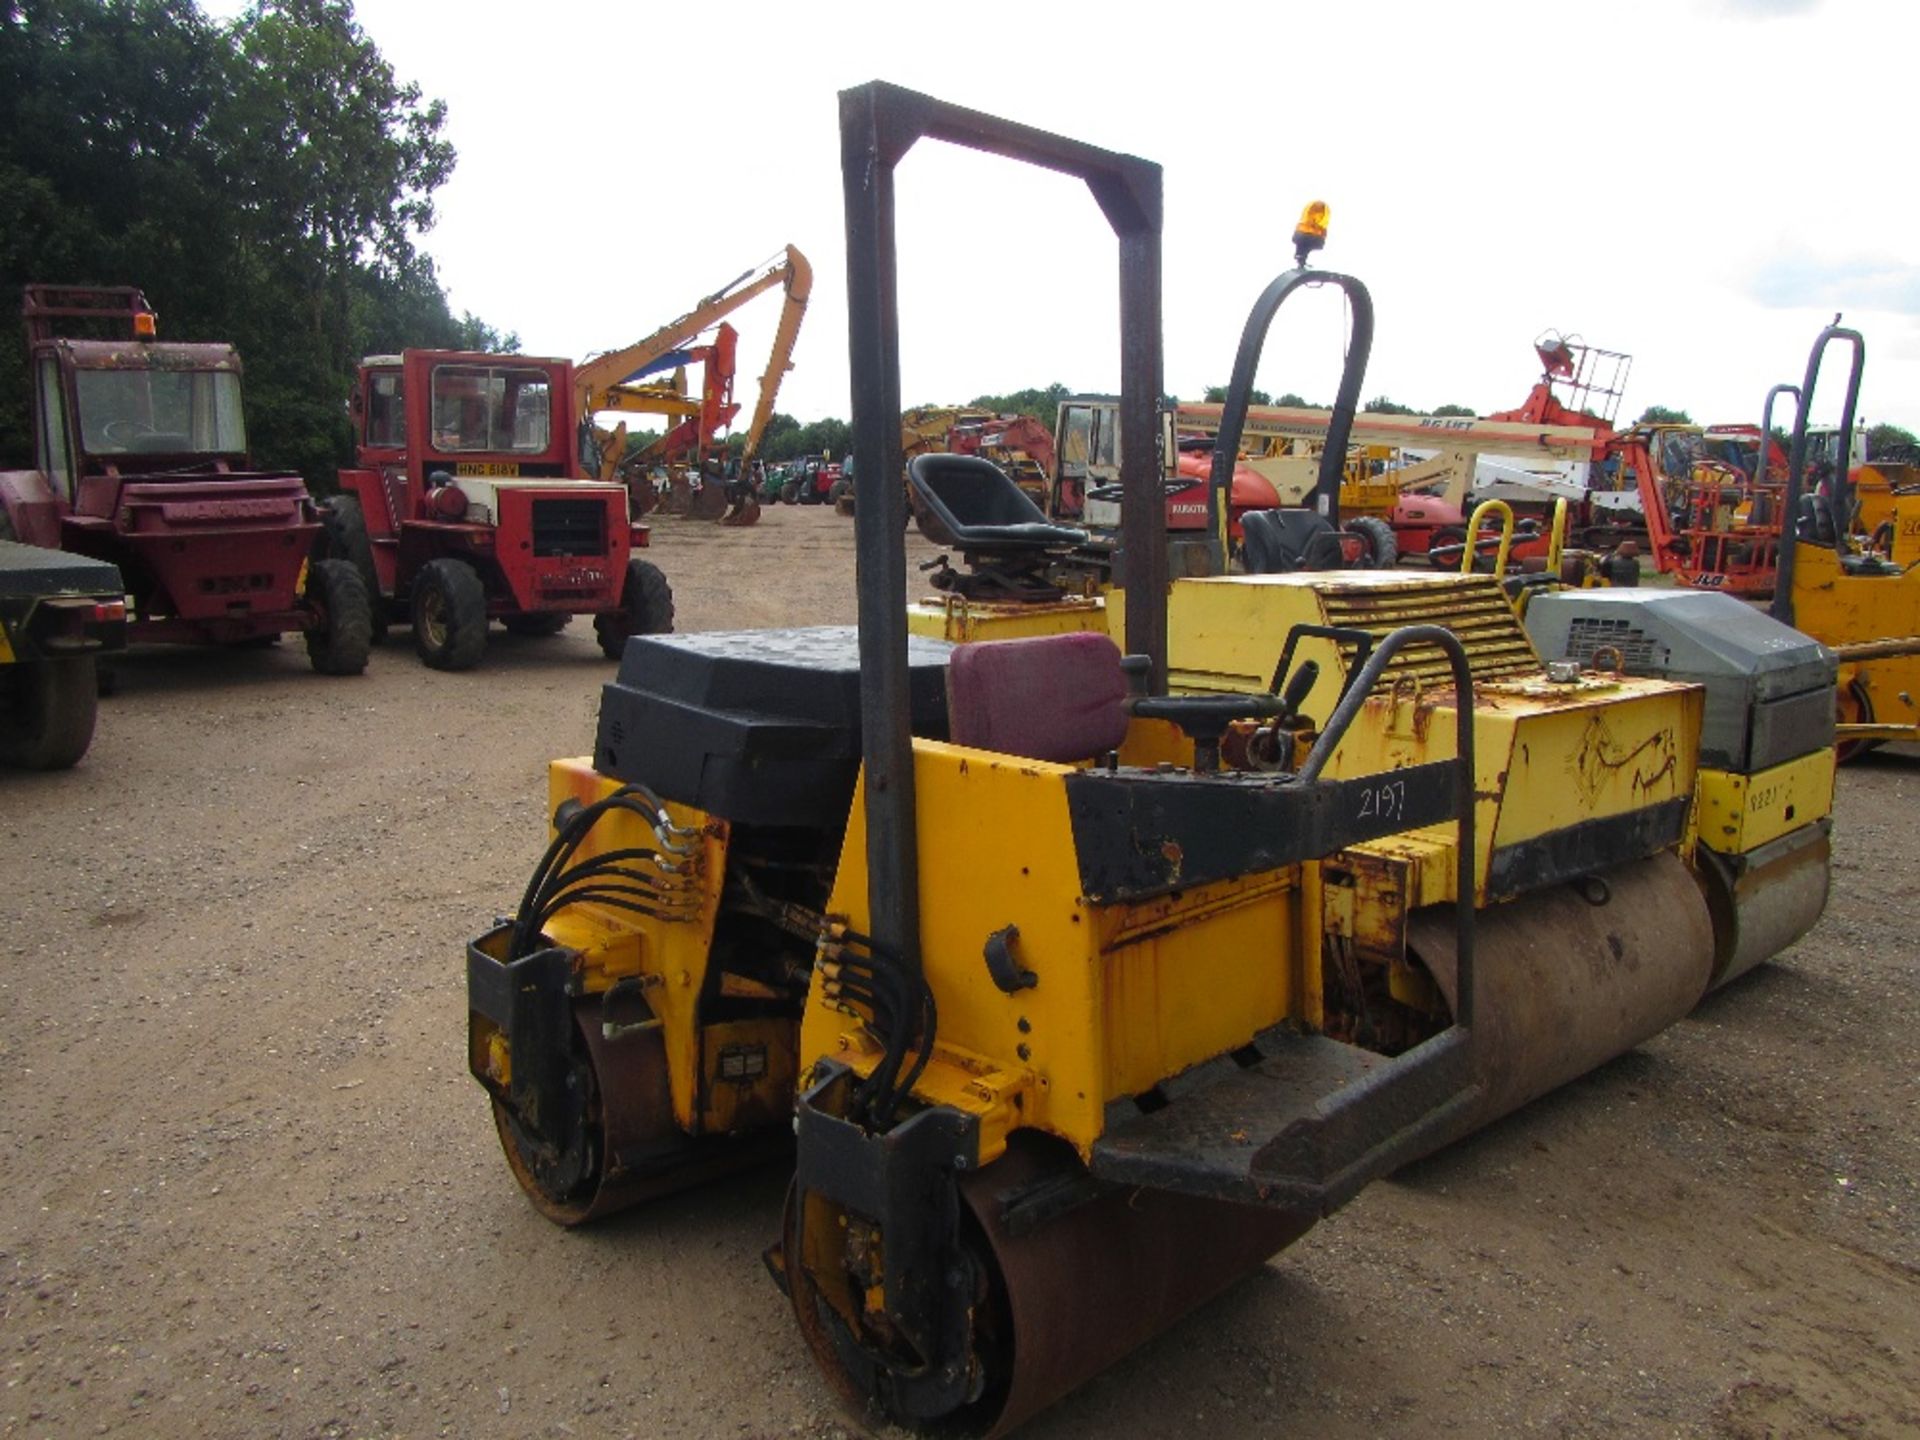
1381,405
1662,415
782,438
1465,412
1217,395
1890,441
340,159
264,182
104,109
1042,404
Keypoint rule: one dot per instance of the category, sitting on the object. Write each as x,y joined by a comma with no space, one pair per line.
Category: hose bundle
899,1011
642,879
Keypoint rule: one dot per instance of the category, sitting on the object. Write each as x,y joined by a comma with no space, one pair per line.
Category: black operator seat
982,509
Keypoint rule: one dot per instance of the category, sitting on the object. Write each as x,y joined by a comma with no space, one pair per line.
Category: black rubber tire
840,487
1381,543
339,641
47,710
790,493
1445,535
449,615
646,608
343,536
537,624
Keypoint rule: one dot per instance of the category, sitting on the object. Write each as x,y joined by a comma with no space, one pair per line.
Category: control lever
1265,748
1301,686
1204,718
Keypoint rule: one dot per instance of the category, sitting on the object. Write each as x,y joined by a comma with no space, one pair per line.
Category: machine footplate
1293,1121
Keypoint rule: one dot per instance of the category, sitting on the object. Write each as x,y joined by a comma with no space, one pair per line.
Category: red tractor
141,450
468,506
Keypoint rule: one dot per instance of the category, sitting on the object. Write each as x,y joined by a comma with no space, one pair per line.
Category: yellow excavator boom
598,380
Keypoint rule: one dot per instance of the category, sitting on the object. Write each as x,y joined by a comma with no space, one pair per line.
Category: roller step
1293,1121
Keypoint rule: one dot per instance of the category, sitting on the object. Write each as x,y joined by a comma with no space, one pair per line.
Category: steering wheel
1200,715
1204,719
125,432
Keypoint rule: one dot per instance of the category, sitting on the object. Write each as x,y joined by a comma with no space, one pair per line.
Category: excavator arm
780,359
602,383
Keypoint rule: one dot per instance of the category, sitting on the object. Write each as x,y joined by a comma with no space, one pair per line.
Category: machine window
491,408
386,409
161,412
54,457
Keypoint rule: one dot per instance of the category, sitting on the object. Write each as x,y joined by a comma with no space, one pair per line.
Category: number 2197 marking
1387,801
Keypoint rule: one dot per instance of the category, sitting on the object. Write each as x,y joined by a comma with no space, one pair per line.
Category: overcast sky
1701,183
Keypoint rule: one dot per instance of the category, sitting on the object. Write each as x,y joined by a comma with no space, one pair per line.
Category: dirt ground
251,1191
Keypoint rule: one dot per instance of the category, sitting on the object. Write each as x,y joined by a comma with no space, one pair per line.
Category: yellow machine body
1226,633
1104,1012
695,1070
1888,509
962,621
1132,993
1872,622
1739,814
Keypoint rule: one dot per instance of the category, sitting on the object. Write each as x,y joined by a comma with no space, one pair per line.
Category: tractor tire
840,487
646,608
343,536
449,615
538,624
47,710
790,493
342,632
1381,544
1445,535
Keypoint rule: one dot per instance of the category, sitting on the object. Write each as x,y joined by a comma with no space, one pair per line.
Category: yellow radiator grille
1472,606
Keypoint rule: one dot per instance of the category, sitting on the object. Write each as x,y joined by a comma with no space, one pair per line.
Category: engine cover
1769,687
759,727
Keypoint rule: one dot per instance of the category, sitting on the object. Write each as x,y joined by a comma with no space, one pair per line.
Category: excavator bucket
709,502
678,498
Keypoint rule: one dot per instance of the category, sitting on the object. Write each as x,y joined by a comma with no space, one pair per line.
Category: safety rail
1470,553
1464,782
1782,607
1362,641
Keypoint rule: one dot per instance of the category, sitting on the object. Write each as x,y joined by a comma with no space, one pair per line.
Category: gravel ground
254,1193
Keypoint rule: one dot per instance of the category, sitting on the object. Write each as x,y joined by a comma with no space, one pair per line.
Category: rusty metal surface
1084,1289
643,1154
1070,1277
1568,978
1765,900
1472,607
148,355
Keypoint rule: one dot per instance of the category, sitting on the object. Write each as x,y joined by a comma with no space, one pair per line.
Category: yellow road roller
1860,595
1076,999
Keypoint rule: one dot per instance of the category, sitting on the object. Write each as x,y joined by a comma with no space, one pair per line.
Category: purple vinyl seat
1060,698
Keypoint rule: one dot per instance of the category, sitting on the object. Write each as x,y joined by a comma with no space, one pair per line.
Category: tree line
264,180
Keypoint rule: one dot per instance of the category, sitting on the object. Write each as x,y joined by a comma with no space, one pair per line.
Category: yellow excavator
616,381
1076,999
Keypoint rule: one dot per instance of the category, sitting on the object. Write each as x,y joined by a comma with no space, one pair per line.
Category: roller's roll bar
879,124
1233,412
1842,494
